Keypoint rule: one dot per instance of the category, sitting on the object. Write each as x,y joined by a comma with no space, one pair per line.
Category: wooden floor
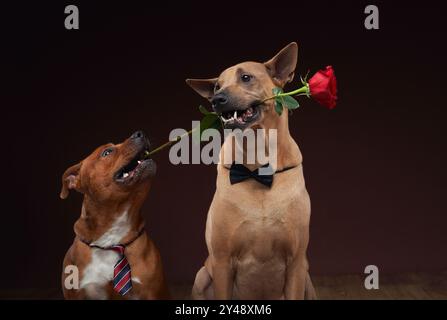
406,286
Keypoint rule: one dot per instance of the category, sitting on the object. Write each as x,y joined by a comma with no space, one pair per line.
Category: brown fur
104,201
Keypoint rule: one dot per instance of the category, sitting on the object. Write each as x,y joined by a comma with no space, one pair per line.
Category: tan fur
257,237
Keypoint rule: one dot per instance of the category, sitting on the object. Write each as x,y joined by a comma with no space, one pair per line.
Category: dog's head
237,94
113,172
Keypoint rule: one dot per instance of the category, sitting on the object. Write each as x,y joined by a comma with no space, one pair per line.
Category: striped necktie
122,280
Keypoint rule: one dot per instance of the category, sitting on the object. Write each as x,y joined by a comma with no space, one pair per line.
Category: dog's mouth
139,167
241,118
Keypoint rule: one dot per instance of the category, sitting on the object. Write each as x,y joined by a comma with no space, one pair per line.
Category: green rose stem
303,91
169,143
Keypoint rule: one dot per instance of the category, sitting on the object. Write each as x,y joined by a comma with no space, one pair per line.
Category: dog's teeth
125,175
235,114
227,120
139,161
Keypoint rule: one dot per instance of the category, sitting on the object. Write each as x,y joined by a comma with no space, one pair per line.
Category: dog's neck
107,224
288,153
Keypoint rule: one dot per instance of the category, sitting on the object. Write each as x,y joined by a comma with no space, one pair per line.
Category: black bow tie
239,173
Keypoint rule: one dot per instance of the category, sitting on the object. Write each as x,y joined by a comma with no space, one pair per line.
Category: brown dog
257,236
115,181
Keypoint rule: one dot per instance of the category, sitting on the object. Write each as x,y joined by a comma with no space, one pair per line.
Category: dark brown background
374,167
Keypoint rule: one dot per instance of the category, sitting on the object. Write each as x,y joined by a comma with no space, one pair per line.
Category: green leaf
276,91
278,100
217,124
211,120
203,110
290,102
278,106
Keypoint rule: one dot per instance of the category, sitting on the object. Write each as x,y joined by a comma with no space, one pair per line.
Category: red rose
323,87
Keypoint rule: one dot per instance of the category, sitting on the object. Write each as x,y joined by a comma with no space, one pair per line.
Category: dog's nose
219,100
138,135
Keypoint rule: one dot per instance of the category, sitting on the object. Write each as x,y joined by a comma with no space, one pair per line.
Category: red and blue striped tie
122,280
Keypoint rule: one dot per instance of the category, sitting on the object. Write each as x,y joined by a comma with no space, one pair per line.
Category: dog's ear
70,180
204,87
282,66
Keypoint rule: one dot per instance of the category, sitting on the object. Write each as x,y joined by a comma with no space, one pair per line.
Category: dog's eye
246,77
216,87
106,152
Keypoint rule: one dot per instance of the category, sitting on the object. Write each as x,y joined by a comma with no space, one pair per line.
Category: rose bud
323,87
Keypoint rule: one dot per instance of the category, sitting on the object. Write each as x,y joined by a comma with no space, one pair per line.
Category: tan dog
257,236
115,181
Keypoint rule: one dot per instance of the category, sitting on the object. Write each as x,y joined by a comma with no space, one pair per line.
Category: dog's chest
263,238
99,271
264,223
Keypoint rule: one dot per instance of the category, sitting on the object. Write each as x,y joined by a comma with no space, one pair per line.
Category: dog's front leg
296,279
223,275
